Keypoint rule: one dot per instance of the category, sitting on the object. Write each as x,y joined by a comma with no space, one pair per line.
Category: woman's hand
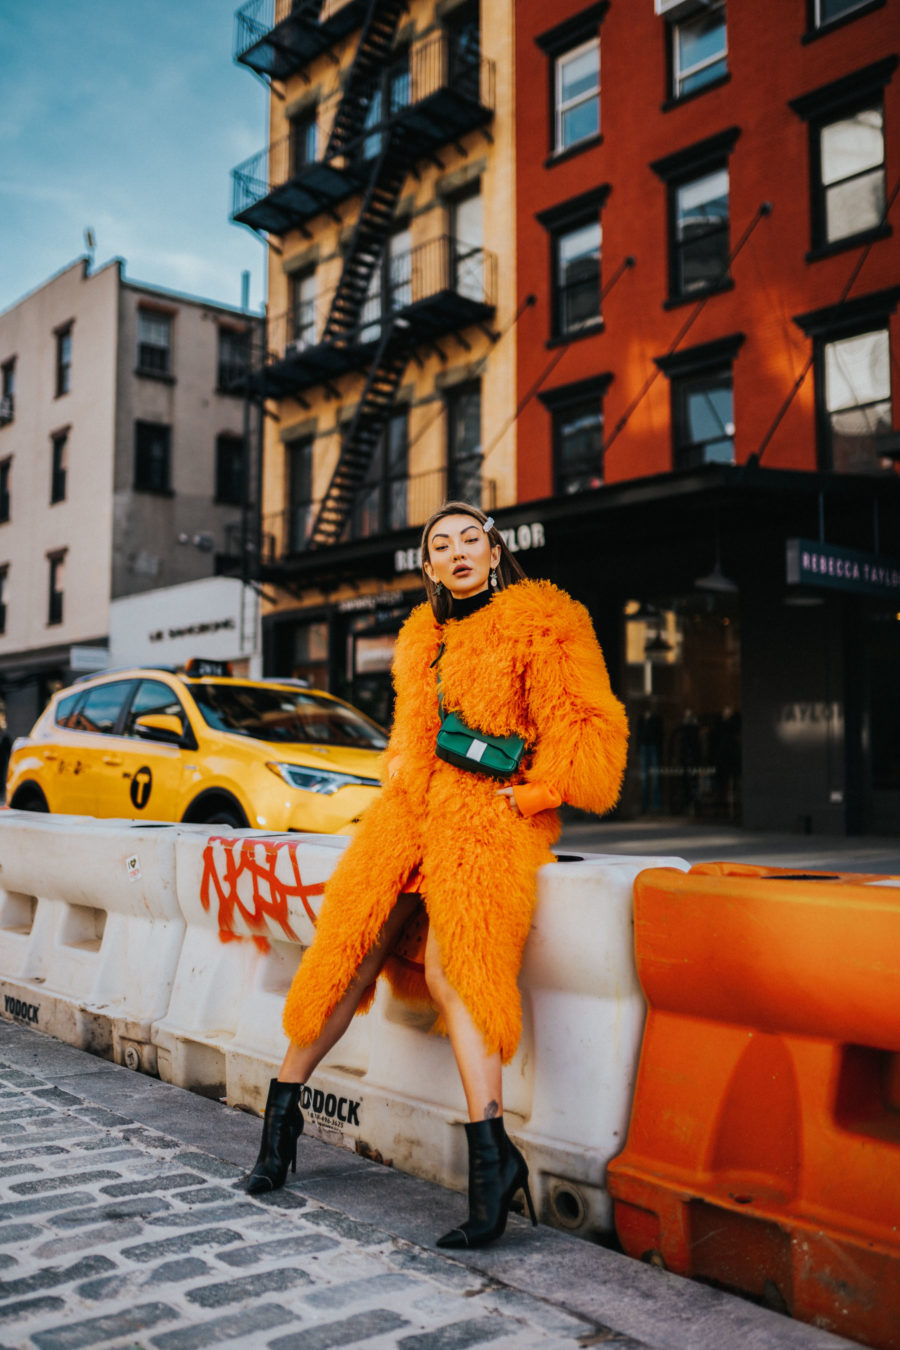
508,793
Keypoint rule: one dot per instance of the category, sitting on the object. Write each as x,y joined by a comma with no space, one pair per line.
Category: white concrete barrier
90,930
390,1089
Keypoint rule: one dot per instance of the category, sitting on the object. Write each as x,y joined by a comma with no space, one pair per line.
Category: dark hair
508,570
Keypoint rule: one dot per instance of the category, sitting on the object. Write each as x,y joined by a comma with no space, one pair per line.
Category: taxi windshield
285,716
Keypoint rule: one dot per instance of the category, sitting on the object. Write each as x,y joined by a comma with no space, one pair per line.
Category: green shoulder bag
474,751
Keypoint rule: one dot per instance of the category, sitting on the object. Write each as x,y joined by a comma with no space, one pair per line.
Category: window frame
143,365
233,443
58,471
5,501
561,107
564,400
558,42
380,481
817,27
299,504
819,190
685,166
141,482
231,373
559,221
303,129
822,107
864,314
7,391
63,382
296,332
694,364
56,560
675,95
458,487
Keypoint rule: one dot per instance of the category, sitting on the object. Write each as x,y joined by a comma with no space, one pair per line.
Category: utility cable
757,455
554,361
764,209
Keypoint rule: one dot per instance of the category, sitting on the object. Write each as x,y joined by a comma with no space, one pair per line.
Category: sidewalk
123,1225
718,843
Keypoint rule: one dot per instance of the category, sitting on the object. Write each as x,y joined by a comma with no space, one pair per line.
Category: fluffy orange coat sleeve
582,729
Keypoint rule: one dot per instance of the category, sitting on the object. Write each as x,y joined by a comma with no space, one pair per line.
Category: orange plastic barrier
764,1146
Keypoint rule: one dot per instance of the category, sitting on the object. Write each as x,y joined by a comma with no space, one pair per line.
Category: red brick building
707,208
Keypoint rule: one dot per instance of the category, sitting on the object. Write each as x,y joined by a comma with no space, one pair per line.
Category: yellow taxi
199,746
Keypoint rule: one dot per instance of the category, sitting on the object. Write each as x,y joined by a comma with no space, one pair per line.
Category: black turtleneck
465,605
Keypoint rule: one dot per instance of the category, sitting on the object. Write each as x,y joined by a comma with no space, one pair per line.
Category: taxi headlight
325,781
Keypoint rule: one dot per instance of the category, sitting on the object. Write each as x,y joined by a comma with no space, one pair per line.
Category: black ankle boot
282,1127
496,1171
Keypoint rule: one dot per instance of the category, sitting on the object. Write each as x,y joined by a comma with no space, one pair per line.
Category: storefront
754,696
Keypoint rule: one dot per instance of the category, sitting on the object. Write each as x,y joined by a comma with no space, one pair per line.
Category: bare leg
301,1060
479,1068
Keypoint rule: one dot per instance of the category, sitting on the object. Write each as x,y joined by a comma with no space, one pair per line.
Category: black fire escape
393,111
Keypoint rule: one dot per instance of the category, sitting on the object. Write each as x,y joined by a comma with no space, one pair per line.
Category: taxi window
153,697
101,707
66,707
287,716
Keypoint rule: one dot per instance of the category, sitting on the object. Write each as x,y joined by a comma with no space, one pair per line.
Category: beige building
387,195
122,463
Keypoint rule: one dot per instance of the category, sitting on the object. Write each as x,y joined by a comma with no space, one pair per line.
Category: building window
304,141
302,318
233,359
847,157
577,278
577,413
464,443
5,475
58,462
231,487
856,394
703,419
7,391
300,505
849,182
700,243
55,575
826,12
152,457
154,353
577,95
4,583
573,48
575,240
702,384
697,183
380,504
63,360
699,50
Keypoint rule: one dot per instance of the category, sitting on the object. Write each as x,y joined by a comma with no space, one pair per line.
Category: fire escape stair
363,434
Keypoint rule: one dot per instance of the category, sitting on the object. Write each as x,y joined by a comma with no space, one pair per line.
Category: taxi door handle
111,759
51,754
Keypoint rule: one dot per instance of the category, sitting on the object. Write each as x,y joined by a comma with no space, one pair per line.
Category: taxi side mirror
159,727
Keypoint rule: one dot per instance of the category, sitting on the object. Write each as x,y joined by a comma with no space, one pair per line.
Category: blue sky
126,116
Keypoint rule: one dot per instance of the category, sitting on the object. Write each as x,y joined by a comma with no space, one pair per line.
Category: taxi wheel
29,799
226,817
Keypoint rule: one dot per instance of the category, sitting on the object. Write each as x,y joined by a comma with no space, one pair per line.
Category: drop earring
493,578
438,587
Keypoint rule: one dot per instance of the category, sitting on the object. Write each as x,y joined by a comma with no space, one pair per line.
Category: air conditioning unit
6,410
675,9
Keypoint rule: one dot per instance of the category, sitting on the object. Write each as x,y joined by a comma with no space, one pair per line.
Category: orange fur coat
527,664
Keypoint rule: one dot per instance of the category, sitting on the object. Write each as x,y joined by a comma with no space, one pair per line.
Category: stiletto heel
497,1171
527,1189
282,1127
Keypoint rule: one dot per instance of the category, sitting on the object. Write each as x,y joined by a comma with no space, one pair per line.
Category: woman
512,657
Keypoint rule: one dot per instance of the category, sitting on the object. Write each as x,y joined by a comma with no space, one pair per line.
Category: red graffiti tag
235,859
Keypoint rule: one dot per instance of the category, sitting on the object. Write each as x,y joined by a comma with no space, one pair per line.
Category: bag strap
436,666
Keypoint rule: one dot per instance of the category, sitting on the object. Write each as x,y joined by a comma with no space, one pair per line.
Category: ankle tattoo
491,1110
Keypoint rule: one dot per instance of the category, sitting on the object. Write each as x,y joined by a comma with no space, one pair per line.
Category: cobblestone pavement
123,1225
